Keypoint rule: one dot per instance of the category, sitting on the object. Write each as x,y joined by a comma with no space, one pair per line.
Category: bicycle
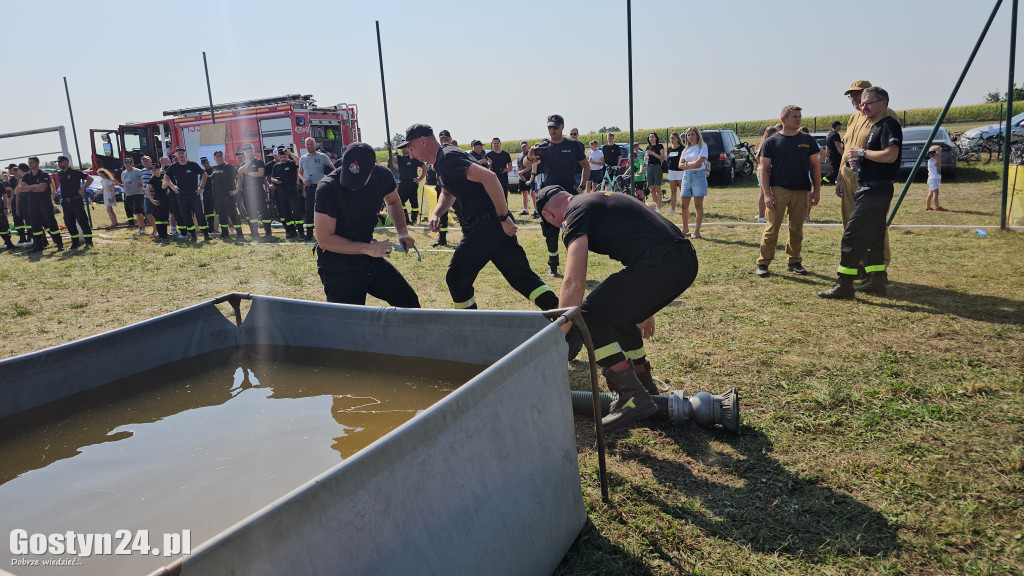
611,181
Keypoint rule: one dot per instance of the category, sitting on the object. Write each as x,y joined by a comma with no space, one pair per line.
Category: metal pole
209,93
629,52
384,91
74,132
1008,132
942,115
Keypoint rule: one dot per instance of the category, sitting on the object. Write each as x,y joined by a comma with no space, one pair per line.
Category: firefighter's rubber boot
225,233
58,241
38,243
634,402
442,240
843,290
645,377
289,231
238,233
874,284
75,242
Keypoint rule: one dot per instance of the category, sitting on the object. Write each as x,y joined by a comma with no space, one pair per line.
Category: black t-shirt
560,163
288,174
674,156
612,155
185,176
223,178
252,181
408,169
473,201
71,183
269,171
355,211
157,182
617,225
886,132
431,177
40,177
833,151
651,160
208,189
791,160
499,162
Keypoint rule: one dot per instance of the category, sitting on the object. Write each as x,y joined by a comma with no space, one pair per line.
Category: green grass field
882,436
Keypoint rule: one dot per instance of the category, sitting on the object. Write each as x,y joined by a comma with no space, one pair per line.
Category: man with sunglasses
857,129
560,158
864,236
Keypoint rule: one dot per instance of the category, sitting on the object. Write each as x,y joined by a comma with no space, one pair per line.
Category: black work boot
38,244
7,241
206,235
873,284
74,242
843,290
646,378
309,234
238,233
268,229
442,240
300,231
634,403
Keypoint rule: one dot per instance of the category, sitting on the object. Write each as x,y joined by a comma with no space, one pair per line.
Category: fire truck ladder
304,100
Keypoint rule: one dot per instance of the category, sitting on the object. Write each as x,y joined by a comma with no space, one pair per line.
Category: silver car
1017,122
914,138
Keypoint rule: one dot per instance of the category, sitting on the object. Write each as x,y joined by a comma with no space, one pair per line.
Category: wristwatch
506,216
862,153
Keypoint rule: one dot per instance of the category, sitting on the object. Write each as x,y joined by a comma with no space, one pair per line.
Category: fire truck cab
265,123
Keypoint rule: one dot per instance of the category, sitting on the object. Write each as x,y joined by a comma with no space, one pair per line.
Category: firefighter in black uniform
658,259
37,186
6,202
410,173
19,203
186,180
560,158
285,178
864,237
209,204
223,184
253,172
350,262
156,190
444,137
72,202
488,229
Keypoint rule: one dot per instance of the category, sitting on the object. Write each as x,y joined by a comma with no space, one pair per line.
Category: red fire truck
265,123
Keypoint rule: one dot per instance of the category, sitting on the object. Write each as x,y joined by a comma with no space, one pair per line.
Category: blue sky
491,69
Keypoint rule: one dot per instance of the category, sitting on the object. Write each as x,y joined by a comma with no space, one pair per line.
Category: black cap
280,149
59,159
524,143
445,134
204,159
547,193
476,143
556,120
416,131
180,149
218,153
356,164
837,123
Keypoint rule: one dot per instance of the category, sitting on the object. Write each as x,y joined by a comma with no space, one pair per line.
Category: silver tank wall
484,482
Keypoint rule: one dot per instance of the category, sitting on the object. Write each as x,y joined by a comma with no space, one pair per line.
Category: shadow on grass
744,243
965,173
592,553
935,300
762,505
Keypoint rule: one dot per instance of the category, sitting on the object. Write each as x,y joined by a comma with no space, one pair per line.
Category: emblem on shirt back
354,168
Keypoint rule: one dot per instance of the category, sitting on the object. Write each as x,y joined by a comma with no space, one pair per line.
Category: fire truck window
132,142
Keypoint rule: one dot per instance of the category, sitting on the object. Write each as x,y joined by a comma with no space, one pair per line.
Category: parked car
914,138
95,191
725,154
1017,122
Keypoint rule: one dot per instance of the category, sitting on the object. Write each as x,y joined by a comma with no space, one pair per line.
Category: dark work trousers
310,201
20,223
128,212
348,278
174,209
75,218
25,216
40,206
210,209
255,206
833,174
612,310
161,213
227,212
864,237
483,241
289,206
407,192
5,228
191,213
503,180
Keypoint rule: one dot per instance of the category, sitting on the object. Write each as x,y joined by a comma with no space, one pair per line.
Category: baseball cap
476,143
445,133
556,120
837,123
547,193
248,147
857,86
356,163
280,149
218,153
524,143
204,159
180,149
59,159
416,131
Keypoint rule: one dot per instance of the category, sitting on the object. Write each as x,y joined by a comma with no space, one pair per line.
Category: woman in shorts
109,200
675,175
695,180
653,157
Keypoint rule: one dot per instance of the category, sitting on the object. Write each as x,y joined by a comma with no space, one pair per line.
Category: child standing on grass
109,200
934,178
